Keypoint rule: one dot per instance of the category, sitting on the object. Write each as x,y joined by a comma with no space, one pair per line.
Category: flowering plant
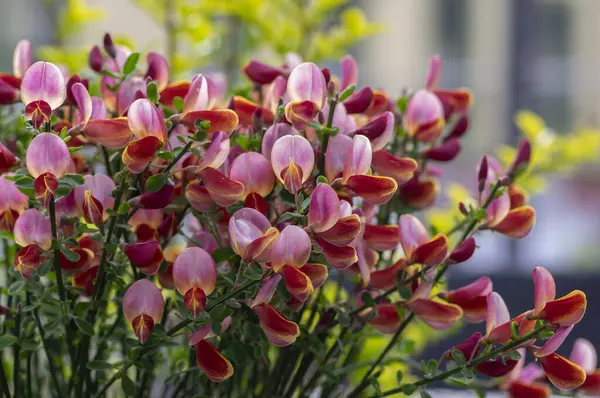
211,228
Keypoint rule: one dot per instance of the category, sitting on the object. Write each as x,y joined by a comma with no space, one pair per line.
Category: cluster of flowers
303,176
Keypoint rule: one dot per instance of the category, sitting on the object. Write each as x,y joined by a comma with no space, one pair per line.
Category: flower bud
445,152
95,59
7,159
482,174
143,307
109,46
260,73
522,159
158,70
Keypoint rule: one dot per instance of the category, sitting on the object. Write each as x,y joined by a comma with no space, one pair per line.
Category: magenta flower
424,118
158,69
306,89
143,307
12,203
94,197
195,276
417,245
273,133
43,89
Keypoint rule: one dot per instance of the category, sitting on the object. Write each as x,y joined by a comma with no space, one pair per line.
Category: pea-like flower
417,245
293,160
195,276
47,159
251,235
306,89
43,89
143,306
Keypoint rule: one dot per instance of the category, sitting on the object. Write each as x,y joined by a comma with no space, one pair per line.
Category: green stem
332,104
364,382
106,160
3,380
53,371
185,150
469,365
16,354
99,292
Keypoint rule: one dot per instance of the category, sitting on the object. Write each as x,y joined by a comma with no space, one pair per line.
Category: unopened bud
330,89
463,209
109,46
483,172
95,59
326,74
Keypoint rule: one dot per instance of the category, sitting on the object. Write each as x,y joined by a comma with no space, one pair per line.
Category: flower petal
277,328
324,209
387,278
266,291
584,355
194,267
145,120
544,288
255,172
292,247
220,120
307,83
316,272
349,72
147,256
424,117
344,231
143,297
517,223
565,311
223,190
412,234
47,153
358,159
111,133
32,228
497,312
379,131
338,257
437,315
43,81
387,320
376,190
292,148
297,282
553,343
214,365
382,237
561,372
139,153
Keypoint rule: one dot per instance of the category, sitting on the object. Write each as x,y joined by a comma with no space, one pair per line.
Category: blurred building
541,55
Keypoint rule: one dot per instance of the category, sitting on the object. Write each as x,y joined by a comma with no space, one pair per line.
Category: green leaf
152,91
402,103
304,205
156,182
222,254
15,287
6,340
25,185
99,365
347,93
64,188
128,385
168,156
322,179
368,299
513,355
178,103
131,63
408,389
84,326
432,365
399,376
124,208
459,357
457,382
70,255
424,394
74,179
254,273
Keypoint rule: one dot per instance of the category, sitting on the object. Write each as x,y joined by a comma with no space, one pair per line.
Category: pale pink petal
497,312
44,81
412,234
254,171
307,83
324,210
194,267
554,342
47,153
335,156
143,297
292,247
83,102
293,148
21,58
32,228
197,98
584,355
130,91
245,226
358,160
217,87
267,291
544,289
433,75
349,72
217,151
145,119
98,109
273,133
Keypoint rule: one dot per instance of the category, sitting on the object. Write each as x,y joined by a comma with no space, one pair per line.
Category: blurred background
538,55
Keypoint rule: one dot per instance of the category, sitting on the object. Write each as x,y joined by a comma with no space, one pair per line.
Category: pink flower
195,276
32,228
143,307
